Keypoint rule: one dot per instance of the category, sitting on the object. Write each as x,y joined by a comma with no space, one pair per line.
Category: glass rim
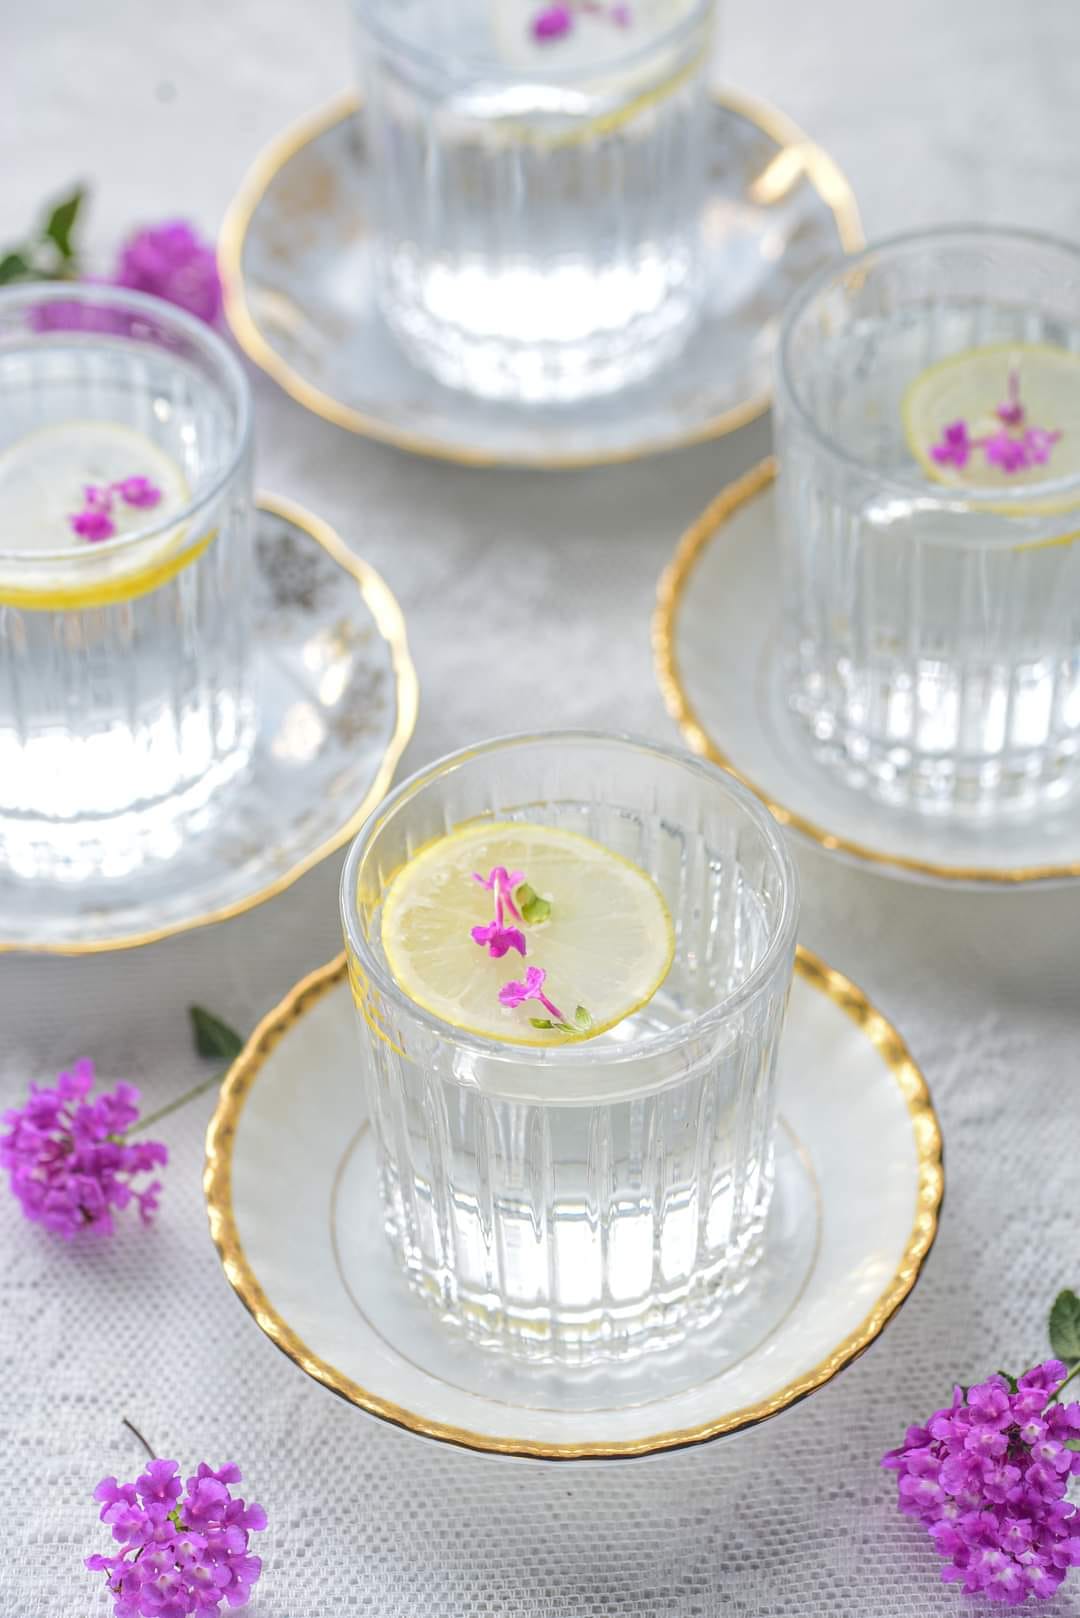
203,337
999,501
365,13
781,940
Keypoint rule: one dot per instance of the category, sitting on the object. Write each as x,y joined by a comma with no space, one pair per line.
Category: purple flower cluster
172,262
1031,448
68,1161
183,1551
1009,447
552,22
988,1477
94,521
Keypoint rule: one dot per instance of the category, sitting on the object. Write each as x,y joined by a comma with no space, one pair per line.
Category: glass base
965,786
462,355
79,848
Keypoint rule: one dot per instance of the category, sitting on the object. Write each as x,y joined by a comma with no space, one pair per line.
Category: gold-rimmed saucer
337,696
859,1189
296,260
718,655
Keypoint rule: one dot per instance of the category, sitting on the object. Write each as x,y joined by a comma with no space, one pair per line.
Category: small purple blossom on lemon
516,994
954,448
499,940
93,524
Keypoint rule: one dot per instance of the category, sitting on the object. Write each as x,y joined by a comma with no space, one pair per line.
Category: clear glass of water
933,631
537,200
125,693
593,1200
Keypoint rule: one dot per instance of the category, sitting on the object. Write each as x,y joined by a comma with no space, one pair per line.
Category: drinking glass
592,1200
125,691
932,630
537,202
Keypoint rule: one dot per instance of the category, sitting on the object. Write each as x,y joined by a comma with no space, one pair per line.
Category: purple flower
499,940
552,23
1012,411
93,524
1038,443
988,1479
172,262
955,446
138,492
68,1161
1008,453
184,1548
515,994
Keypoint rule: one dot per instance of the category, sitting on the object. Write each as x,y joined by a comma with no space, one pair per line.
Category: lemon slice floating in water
43,479
606,945
969,386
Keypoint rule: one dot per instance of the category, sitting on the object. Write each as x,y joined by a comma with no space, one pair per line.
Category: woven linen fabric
936,112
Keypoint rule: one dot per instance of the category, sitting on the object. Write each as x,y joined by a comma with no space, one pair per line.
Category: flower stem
1073,1373
133,1429
181,1101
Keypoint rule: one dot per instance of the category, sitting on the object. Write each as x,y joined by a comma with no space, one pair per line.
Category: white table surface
938,110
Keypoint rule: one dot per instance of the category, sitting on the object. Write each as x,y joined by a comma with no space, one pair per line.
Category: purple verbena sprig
172,262
68,1160
1012,447
988,1477
497,938
516,899
94,522
183,1548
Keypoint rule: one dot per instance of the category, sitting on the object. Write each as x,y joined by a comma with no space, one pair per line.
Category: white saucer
296,257
337,704
717,647
860,1184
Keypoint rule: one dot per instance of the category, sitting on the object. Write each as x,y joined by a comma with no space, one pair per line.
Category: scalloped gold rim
390,622
671,590
217,1186
797,154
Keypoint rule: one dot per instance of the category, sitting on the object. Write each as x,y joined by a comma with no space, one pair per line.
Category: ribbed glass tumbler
537,195
591,1200
125,692
933,628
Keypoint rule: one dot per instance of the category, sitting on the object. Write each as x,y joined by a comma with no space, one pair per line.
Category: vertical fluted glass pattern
603,1198
933,634
125,688
538,209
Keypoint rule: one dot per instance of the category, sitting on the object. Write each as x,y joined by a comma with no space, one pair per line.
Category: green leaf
214,1038
582,1019
61,223
1065,1327
541,1022
1072,1443
532,907
14,266
1011,1380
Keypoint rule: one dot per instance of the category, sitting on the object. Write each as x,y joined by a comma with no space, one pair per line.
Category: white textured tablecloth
938,110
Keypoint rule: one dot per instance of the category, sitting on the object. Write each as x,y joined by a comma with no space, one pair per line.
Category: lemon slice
43,478
969,387
606,945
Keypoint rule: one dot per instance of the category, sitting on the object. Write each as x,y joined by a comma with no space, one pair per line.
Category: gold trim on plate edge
217,1184
671,590
384,609
797,155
